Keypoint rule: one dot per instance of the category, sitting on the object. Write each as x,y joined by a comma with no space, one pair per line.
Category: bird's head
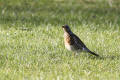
66,28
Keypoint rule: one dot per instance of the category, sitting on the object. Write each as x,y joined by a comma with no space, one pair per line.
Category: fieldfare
73,43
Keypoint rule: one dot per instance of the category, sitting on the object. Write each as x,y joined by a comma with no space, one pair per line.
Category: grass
31,39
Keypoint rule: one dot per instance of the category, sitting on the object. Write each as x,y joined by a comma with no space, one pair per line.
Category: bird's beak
63,26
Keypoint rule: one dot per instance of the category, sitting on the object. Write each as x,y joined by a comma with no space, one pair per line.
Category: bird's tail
93,53
86,49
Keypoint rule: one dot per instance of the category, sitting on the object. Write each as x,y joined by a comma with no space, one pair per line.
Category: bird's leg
75,54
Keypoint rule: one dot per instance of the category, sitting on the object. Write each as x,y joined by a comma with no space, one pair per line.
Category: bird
73,42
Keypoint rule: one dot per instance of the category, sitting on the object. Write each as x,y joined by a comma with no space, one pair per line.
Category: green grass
31,39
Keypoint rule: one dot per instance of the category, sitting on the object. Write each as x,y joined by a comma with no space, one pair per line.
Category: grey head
67,29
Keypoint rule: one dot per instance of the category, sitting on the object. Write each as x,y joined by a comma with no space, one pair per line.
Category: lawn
32,46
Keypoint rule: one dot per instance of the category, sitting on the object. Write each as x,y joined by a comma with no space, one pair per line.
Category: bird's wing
80,45
78,42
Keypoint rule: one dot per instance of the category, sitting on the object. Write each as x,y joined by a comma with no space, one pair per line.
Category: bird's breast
68,42
69,47
68,39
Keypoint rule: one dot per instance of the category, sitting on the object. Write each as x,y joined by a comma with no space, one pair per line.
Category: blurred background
32,44
59,12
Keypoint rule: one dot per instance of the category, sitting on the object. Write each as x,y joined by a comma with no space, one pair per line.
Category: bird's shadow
110,57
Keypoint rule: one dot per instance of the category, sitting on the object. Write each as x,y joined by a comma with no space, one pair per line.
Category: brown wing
78,42
80,45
